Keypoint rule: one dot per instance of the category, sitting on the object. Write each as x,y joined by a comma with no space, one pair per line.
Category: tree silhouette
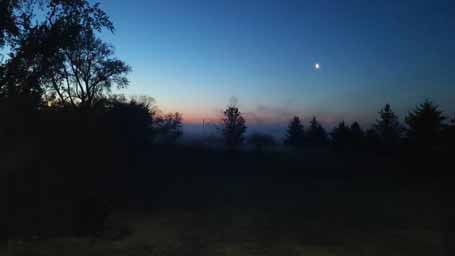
316,134
8,19
425,124
234,127
88,71
168,129
450,134
129,121
60,55
387,127
50,57
295,134
138,121
357,135
19,82
20,74
341,136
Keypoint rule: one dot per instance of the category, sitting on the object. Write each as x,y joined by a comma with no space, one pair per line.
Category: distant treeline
425,128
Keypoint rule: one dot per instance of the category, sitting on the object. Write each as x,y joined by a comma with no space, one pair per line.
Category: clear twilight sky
193,56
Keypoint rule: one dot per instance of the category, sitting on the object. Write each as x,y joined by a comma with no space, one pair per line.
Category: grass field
326,207
245,232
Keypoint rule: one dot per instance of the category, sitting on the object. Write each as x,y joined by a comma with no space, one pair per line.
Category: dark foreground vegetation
86,172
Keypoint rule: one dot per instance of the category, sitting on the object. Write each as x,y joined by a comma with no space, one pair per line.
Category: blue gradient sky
192,56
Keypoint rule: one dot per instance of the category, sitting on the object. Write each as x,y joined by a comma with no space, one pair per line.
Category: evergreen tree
234,127
357,135
449,135
387,127
295,133
356,130
341,135
425,124
316,134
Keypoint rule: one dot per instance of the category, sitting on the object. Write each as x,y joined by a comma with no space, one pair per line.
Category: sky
194,56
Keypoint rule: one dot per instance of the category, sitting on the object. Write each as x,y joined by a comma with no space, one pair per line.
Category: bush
261,141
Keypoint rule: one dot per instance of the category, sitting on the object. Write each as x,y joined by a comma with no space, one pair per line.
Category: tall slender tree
316,134
341,136
388,127
234,127
357,135
295,134
449,134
